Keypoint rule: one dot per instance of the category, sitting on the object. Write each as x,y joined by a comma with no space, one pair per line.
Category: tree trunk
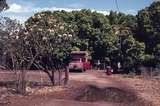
66,76
59,76
52,78
21,88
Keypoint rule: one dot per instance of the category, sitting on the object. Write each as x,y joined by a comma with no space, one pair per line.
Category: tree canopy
3,5
117,37
149,26
104,37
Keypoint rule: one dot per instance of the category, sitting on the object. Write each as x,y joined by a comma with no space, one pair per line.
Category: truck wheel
83,70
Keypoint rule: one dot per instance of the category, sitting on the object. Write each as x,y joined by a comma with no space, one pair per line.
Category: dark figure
109,70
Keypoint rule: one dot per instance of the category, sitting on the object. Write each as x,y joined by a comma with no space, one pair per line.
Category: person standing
109,70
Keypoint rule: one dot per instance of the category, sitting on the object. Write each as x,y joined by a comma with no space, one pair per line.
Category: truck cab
79,61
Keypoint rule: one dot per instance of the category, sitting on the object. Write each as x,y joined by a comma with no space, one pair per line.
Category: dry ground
147,91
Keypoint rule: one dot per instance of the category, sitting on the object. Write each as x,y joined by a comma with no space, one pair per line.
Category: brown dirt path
78,81
74,103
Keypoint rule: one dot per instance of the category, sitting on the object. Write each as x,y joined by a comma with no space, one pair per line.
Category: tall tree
8,29
149,26
3,5
51,39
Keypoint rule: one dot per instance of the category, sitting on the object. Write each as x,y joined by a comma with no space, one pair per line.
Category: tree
122,24
149,31
3,5
149,26
93,29
132,53
157,55
127,50
12,50
8,30
51,38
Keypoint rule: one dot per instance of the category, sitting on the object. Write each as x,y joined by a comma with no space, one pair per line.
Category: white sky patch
55,9
76,5
21,19
16,8
23,12
69,10
134,12
103,12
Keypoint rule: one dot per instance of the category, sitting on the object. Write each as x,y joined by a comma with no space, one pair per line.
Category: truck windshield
81,57
75,59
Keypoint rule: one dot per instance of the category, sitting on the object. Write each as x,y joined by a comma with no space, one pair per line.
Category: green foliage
121,19
132,52
149,31
75,49
148,25
9,30
50,37
126,49
93,29
105,37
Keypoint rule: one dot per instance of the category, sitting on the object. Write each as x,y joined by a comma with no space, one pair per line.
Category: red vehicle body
79,61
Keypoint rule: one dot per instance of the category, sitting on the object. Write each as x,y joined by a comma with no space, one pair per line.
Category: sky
23,9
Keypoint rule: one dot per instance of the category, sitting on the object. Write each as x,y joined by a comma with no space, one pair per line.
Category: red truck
79,61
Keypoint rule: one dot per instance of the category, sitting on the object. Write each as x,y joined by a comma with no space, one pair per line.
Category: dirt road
118,85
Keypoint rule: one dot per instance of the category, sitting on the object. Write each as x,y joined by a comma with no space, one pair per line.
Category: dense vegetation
49,37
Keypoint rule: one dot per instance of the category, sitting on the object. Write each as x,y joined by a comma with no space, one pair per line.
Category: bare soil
90,88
